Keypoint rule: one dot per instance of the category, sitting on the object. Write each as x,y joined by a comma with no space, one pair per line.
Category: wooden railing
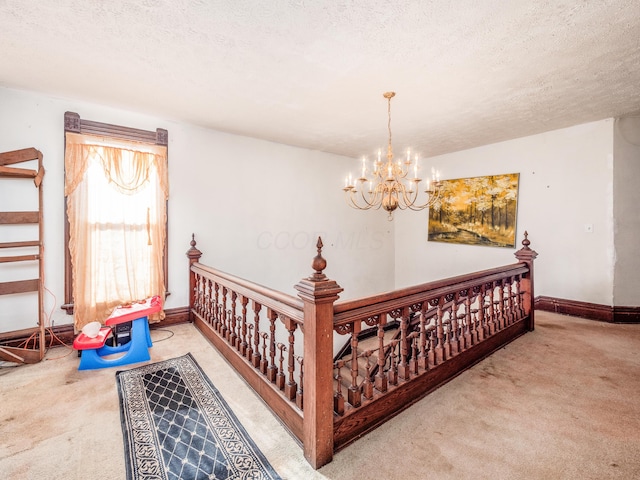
425,335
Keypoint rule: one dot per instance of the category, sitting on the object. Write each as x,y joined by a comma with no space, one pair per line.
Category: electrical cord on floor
71,350
162,330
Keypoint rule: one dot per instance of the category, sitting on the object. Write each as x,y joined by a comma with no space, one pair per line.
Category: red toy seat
83,342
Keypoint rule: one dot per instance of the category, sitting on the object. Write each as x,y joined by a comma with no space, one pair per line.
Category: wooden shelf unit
36,285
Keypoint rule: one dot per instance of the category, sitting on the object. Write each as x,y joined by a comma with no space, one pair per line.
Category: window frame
74,124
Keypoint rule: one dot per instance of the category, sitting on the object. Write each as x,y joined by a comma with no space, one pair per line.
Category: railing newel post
194,256
527,256
318,294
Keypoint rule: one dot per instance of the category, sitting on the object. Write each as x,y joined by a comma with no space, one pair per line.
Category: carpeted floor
562,402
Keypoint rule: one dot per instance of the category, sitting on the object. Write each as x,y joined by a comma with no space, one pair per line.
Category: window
116,194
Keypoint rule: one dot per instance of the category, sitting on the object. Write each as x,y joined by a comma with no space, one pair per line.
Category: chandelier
392,184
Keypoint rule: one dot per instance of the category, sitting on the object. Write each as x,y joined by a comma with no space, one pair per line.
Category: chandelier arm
409,199
373,197
433,197
367,204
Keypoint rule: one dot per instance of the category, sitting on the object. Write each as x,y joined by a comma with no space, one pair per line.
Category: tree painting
476,211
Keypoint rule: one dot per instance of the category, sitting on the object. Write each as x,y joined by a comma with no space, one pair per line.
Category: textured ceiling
311,73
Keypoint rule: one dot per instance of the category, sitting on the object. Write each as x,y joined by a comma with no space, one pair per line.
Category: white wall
256,207
565,184
626,288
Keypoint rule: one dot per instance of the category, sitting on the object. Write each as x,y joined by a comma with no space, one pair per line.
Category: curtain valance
128,172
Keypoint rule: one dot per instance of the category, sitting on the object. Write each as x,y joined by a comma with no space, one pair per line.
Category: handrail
274,299
346,311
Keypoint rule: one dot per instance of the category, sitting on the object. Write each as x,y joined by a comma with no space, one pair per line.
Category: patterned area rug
176,425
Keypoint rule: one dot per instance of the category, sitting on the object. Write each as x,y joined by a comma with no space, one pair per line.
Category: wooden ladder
33,245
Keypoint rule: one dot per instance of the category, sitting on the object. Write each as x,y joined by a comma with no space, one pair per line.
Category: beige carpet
562,402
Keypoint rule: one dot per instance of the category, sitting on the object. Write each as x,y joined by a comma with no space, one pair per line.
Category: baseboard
626,314
173,316
591,311
64,334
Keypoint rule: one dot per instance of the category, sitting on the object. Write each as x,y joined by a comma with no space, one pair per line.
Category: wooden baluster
255,359
367,386
423,360
216,307
403,366
475,305
205,303
446,327
231,335
198,297
208,305
300,393
462,329
207,284
432,341
454,339
279,380
204,300
381,378
249,353
243,324
201,298
218,311
519,298
354,393
510,303
223,310
290,387
393,368
198,294
439,350
469,326
492,315
506,312
272,369
502,318
264,362
413,359
475,336
338,398
482,321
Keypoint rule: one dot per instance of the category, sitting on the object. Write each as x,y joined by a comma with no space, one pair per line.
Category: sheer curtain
116,204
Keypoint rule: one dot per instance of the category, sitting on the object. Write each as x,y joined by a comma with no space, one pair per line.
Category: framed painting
476,211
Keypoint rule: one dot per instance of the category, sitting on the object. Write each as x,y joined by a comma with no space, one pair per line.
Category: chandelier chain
389,152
